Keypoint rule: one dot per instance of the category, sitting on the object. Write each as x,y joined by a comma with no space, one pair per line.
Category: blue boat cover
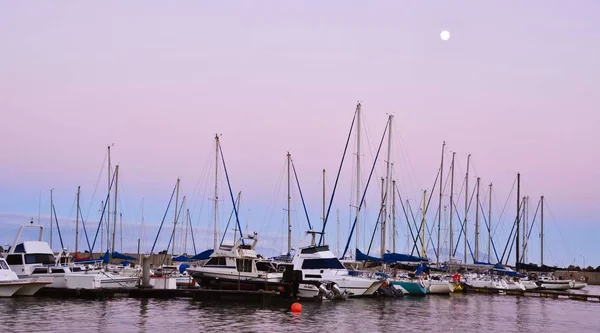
183,267
399,257
116,255
203,255
483,263
181,258
365,257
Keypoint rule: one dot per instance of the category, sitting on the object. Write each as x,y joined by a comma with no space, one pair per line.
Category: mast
393,216
477,223
77,222
324,204
142,224
466,206
108,202
289,209
439,226
382,246
542,233
358,187
490,226
423,252
115,210
387,186
175,217
216,191
525,227
51,215
518,219
451,255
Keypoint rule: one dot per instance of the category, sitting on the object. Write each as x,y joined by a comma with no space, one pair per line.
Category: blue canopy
116,255
399,257
365,257
183,267
203,255
422,269
181,258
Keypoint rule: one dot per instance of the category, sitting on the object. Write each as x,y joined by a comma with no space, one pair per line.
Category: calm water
457,313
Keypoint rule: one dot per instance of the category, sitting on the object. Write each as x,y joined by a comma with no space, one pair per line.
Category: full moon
445,35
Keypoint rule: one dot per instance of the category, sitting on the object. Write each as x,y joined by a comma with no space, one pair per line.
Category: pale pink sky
516,86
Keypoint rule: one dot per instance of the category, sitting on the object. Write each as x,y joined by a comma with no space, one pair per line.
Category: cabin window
40,270
45,259
14,259
3,265
216,261
57,270
325,263
266,267
244,265
20,248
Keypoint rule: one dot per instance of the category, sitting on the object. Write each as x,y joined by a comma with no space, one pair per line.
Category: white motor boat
35,259
438,286
10,284
550,282
234,267
319,264
474,280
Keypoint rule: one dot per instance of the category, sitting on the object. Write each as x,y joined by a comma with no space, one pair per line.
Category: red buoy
296,307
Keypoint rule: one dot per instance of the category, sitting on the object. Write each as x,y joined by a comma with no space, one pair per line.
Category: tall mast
525,227
542,233
466,206
216,191
289,208
393,216
387,186
451,255
142,224
477,222
324,201
490,226
187,226
115,210
51,215
108,203
358,186
77,222
518,219
439,226
175,217
423,251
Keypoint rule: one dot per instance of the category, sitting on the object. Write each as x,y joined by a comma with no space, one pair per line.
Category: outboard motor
336,290
323,292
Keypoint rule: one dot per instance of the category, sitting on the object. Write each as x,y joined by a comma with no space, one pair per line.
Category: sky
515,86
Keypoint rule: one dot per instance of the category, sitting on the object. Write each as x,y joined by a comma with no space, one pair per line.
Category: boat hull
230,282
8,289
438,287
31,288
411,287
555,286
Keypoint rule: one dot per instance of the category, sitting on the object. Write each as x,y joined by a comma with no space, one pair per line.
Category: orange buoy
296,307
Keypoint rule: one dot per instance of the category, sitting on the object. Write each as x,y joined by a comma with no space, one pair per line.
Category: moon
445,35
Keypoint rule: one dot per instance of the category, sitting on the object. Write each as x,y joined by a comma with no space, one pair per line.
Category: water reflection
457,313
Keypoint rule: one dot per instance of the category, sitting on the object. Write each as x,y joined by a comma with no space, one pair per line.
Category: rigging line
529,233
189,221
505,204
301,196
419,230
202,202
376,224
163,219
275,194
58,228
556,225
362,200
409,166
228,221
462,226
85,230
102,215
415,246
172,238
96,187
488,226
337,178
406,216
511,239
237,218
203,172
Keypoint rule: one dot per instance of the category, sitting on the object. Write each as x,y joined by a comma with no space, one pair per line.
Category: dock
556,294
259,297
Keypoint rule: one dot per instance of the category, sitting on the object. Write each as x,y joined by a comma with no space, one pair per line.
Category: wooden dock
557,294
262,298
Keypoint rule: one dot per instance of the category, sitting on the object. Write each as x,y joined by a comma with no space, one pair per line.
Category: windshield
326,263
39,258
